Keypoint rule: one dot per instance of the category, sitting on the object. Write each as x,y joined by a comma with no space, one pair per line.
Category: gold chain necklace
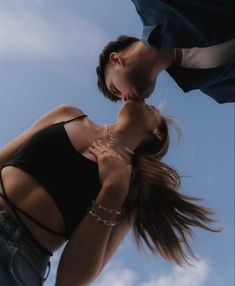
115,141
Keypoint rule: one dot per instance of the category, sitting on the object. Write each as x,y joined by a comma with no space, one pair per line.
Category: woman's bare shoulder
67,110
62,112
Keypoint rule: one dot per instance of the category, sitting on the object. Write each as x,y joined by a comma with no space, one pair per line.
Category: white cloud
188,276
117,275
28,29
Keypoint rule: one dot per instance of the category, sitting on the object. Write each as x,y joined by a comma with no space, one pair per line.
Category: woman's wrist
115,185
105,209
102,219
103,214
112,196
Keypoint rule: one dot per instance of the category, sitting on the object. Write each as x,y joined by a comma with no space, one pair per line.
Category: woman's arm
93,243
116,237
88,251
63,111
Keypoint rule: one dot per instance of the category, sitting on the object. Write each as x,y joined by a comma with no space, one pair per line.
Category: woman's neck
126,135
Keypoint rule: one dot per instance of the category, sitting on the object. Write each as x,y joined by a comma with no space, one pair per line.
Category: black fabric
218,82
188,24
71,179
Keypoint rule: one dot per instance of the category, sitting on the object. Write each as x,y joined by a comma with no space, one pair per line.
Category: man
192,40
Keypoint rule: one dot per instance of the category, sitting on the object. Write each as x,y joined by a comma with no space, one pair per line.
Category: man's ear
115,59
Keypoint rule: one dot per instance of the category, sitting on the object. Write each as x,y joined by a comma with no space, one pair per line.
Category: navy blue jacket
187,24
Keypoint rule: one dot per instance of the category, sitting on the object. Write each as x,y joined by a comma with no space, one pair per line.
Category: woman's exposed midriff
29,196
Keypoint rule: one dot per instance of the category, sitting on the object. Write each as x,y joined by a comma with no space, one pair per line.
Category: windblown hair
121,43
163,216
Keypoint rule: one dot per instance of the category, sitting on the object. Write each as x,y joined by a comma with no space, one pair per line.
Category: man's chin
141,96
145,95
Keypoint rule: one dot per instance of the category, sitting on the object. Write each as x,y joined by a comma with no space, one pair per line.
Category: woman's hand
113,169
93,243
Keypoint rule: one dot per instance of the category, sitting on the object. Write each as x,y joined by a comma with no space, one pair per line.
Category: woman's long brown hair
163,216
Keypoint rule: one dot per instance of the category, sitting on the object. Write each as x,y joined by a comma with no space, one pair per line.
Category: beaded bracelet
104,221
107,210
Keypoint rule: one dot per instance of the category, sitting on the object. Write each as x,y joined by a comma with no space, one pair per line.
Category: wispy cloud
28,29
188,276
117,275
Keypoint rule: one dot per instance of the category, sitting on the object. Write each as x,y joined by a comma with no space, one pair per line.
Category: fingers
99,148
93,151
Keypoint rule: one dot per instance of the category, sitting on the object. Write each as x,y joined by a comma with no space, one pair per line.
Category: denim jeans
22,261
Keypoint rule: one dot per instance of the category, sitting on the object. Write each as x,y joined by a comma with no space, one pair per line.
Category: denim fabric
22,261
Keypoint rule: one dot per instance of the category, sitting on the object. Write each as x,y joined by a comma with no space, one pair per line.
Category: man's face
129,82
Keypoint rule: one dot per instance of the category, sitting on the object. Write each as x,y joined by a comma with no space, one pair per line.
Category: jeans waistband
12,231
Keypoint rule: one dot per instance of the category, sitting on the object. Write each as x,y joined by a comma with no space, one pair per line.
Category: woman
58,185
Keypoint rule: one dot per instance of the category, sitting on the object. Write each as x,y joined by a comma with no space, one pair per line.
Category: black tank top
71,179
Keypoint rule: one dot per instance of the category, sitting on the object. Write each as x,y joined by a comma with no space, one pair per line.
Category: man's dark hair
121,43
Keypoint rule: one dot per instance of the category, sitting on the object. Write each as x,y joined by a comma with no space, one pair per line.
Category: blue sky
48,55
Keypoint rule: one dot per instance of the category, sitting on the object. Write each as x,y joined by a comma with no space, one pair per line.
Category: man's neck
156,60
162,60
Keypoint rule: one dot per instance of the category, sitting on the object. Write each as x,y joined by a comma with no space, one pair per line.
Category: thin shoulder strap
75,118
